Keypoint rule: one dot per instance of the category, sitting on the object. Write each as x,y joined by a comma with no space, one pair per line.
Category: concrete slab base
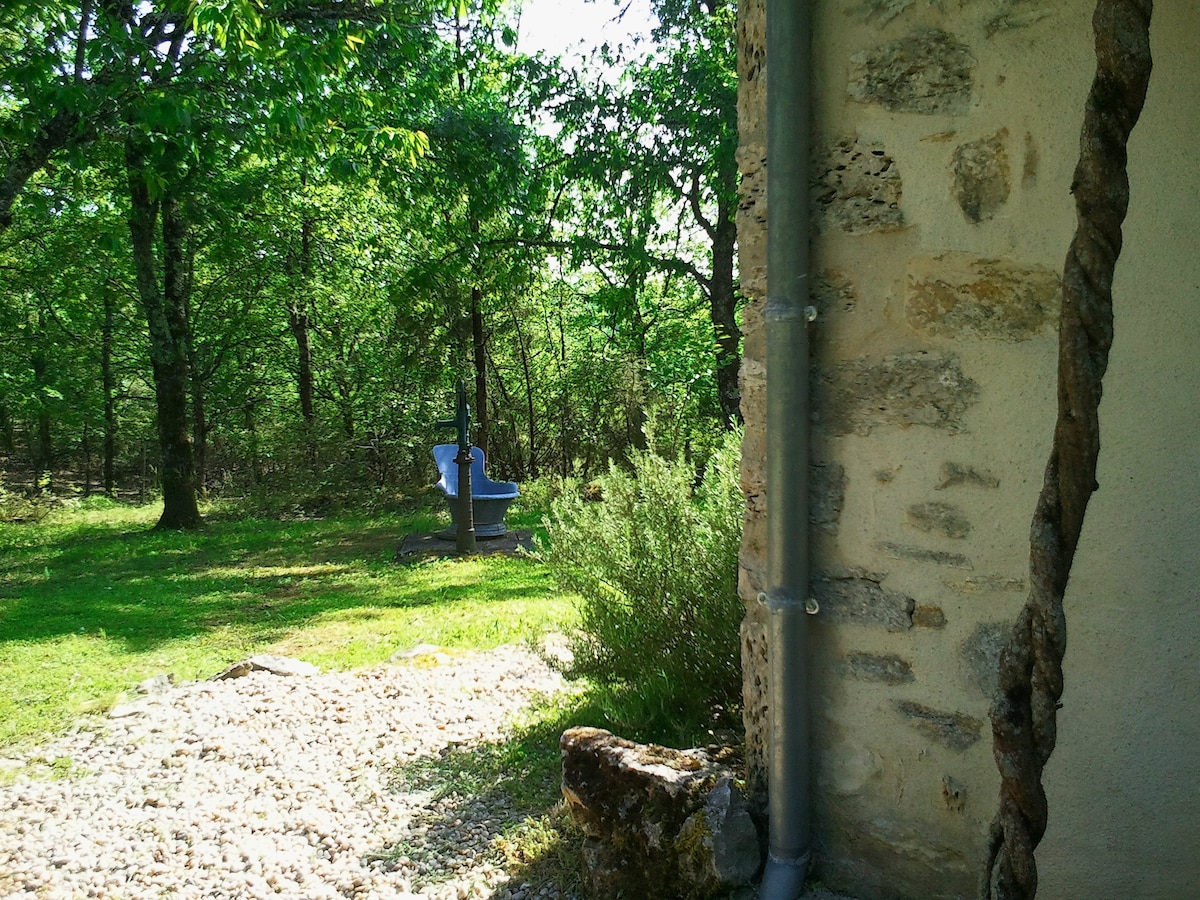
432,545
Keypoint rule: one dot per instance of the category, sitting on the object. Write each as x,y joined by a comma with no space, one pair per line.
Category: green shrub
31,507
655,566
539,495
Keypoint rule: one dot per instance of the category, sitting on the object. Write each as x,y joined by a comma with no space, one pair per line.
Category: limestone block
954,794
658,822
752,68
848,770
718,844
905,389
857,189
954,730
857,597
883,668
928,71
982,176
1015,14
929,617
755,708
263,662
980,654
754,333
827,496
924,554
880,11
1029,169
978,583
890,854
958,295
158,684
827,489
959,474
752,219
939,518
833,292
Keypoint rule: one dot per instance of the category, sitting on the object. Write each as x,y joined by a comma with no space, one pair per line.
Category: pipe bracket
782,600
779,309
779,600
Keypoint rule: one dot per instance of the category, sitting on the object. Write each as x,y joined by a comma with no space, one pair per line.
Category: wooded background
257,243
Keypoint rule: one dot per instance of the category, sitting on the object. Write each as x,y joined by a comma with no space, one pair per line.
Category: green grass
92,602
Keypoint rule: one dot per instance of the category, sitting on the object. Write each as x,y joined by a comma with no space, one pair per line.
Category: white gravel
271,786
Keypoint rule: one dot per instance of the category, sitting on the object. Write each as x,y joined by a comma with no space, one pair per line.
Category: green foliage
355,182
31,506
655,565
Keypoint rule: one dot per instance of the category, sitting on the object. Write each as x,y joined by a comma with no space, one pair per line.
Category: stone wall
945,136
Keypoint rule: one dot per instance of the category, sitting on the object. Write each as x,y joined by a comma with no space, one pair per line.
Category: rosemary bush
654,563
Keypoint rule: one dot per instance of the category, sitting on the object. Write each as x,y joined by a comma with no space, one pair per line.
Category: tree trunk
7,438
531,470
199,432
86,446
43,453
479,431
298,321
109,383
636,418
166,317
256,468
565,421
200,426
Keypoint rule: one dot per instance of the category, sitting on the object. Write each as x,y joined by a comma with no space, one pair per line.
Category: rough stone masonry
936,333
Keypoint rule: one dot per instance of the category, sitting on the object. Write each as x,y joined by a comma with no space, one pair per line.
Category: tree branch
58,132
693,196
85,19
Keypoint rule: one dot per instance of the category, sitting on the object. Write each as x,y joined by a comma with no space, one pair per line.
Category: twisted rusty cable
1023,717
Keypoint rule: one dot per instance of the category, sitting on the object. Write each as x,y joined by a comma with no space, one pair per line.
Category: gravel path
271,786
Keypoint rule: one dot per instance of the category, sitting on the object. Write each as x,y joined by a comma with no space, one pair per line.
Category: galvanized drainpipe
786,319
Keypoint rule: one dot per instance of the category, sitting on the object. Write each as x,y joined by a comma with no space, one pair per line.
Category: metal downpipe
786,321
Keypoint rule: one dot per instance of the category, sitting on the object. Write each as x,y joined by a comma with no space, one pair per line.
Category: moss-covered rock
658,822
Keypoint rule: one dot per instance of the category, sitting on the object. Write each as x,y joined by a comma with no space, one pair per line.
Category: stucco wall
945,138
1122,786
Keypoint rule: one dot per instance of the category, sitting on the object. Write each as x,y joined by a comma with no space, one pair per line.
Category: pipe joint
783,879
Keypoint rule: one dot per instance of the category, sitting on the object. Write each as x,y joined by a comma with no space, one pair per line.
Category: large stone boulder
658,822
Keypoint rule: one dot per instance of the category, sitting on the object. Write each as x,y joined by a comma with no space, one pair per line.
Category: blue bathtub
489,499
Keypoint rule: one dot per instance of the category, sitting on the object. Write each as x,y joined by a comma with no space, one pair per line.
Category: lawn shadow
519,780
512,790
260,577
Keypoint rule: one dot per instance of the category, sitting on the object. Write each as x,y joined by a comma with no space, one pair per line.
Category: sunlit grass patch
545,849
92,602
